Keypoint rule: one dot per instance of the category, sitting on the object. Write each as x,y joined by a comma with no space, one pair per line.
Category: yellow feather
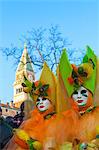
47,77
96,95
37,145
22,134
66,146
62,102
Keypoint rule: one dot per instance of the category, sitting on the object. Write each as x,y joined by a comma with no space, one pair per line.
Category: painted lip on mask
41,106
80,101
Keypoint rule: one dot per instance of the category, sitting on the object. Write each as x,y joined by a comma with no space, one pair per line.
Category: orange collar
49,111
36,112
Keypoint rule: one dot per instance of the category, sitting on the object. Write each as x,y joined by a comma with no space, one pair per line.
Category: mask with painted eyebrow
43,104
37,101
44,99
75,92
83,91
80,96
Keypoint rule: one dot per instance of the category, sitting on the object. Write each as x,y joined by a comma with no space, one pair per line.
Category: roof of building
7,106
25,61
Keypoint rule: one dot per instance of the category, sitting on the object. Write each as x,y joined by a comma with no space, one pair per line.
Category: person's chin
82,105
42,110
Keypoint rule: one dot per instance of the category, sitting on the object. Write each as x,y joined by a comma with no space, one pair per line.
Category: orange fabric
20,142
63,127
71,125
12,145
74,104
75,68
88,124
36,117
36,125
36,83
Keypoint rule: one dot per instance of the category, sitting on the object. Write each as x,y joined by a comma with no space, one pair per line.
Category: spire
25,46
25,61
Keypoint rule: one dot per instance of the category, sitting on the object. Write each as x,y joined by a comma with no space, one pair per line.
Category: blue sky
78,20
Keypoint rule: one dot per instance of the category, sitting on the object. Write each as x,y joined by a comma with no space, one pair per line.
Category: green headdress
96,94
73,77
66,71
90,58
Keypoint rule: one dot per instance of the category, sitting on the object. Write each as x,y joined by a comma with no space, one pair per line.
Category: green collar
90,109
48,116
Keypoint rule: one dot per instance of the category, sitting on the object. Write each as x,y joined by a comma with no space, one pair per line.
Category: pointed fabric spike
90,54
65,69
47,77
27,82
96,95
62,102
27,85
90,83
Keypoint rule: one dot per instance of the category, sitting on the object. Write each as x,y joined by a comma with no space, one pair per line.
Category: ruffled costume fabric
66,126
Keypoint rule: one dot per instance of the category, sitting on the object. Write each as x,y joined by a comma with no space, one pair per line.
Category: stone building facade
25,67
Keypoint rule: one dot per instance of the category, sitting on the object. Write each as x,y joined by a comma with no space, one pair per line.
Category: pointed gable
25,61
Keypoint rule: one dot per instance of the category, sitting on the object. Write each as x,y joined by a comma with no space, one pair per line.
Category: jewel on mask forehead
41,89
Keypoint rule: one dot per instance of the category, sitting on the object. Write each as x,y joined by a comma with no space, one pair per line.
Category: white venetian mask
43,103
81,96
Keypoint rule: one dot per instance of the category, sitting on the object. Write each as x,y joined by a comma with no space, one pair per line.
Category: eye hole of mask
83,91
37,100
44,99
75,92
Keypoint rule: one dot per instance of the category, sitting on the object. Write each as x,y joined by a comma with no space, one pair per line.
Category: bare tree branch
43,45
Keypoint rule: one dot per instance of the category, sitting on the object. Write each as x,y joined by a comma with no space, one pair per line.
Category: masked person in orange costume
81,122
86,81
82,86
31,133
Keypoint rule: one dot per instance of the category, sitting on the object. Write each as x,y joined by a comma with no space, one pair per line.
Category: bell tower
24,68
